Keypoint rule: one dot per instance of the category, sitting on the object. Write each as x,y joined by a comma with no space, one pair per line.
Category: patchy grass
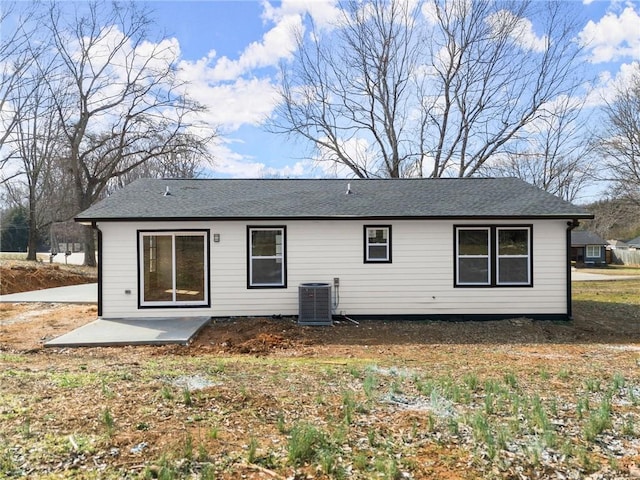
485,411
625,292
384,401
626,270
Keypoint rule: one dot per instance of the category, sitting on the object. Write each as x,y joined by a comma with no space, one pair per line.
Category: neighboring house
476,248
587,248
634,243
66,237
617,245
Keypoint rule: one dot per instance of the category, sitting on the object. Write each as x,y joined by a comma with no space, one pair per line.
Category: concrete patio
140,331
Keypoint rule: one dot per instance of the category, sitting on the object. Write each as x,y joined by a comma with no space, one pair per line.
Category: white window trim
499,257
173,234
367,245
280,257
487,256
593,248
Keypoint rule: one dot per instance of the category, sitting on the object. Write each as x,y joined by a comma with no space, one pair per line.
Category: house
479,248
617,245
634,243
587,248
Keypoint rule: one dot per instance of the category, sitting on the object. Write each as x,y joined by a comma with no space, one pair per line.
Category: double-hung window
473,262
513,253
377,244
493,256
174,268
593,251
266,257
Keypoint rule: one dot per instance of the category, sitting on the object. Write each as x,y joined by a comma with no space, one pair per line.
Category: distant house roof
634,242
583,237
479,198
618,243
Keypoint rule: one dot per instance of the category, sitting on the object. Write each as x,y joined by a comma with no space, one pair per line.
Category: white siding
419,280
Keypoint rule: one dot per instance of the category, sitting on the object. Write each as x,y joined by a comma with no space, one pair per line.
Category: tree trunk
32,243
89,247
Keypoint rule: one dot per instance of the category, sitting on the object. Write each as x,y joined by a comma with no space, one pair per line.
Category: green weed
510,380
213,432
252,449
348,407
304,442
108,421
599,420
618,382
471,381
186,397
369,385
592,385
166,393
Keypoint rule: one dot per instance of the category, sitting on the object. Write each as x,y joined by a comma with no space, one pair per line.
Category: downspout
94,225
570,226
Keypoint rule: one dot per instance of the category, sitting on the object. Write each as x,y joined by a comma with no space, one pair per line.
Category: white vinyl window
377,244
593,251
173,268
266,258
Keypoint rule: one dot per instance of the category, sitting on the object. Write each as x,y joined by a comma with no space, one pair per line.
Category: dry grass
510,399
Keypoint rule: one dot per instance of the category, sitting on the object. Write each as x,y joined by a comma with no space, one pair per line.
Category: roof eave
90,220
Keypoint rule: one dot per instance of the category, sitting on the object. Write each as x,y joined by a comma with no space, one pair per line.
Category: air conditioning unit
314,304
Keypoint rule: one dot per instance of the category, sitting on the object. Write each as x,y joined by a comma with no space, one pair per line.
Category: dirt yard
266,398
20,276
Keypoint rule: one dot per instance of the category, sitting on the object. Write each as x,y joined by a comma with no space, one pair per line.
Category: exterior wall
419,281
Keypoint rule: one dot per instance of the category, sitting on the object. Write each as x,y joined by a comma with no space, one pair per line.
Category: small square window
377,244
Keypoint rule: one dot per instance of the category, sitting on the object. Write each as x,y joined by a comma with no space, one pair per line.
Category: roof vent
349,191
166,192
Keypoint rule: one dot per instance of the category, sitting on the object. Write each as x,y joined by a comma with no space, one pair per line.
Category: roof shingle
324,198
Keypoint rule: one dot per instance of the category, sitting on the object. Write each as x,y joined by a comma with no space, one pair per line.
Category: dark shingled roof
279,199
582,237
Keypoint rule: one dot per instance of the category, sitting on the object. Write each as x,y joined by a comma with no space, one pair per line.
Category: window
377,244
593,251
266,257
513,256
174,268
493,256
473,256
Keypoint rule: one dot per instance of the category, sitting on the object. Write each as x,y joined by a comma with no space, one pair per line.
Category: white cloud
231,105
228,163
605,88
455,8
277,44
325,13
613,37
522,33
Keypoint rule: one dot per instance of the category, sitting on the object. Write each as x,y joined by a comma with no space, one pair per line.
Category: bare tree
178,163
433,88
122,102
620,138
17,56
614,218
37,143
554,155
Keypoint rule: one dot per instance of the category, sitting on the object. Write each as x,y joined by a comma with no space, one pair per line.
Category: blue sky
231,49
